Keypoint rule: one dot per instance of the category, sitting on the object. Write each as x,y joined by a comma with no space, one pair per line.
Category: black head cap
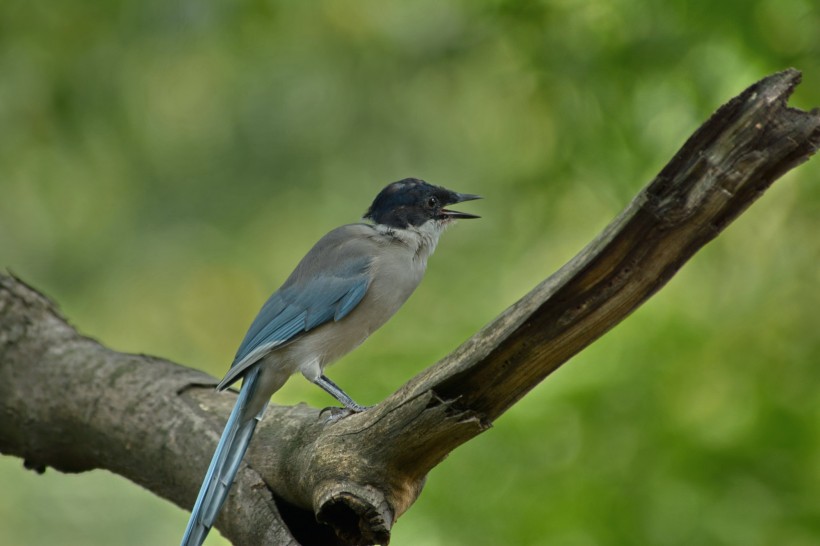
412,202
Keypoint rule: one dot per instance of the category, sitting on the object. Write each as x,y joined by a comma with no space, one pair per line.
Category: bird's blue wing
308,299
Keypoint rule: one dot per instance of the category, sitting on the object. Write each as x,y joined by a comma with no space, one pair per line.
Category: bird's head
412,203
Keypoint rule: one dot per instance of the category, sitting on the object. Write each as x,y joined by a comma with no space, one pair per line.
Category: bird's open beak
460,198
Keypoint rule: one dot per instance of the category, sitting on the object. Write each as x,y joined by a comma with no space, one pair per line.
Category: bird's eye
432,202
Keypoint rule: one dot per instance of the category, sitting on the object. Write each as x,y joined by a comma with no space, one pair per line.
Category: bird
346,287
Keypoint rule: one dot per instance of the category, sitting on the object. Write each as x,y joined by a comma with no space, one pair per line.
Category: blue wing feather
309,298
273,323
351,299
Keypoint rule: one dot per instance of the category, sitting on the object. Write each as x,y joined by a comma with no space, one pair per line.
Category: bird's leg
336,392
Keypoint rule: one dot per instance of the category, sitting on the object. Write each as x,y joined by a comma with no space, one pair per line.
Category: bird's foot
336,413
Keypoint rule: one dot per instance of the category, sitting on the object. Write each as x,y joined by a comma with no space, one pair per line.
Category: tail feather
224,464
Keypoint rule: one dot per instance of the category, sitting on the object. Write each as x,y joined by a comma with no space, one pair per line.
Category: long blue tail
224,464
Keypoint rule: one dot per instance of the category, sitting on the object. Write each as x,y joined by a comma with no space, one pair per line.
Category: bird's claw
336,413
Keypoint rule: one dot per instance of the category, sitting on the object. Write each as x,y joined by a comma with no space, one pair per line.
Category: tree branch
72,404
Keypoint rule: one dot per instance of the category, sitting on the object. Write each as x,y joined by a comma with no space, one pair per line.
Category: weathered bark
70,403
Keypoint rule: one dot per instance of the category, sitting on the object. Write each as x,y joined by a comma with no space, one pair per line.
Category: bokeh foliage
163,165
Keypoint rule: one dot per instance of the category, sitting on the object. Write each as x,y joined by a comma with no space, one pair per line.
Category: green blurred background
163,165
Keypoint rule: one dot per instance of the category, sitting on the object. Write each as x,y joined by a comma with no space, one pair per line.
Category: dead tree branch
70,403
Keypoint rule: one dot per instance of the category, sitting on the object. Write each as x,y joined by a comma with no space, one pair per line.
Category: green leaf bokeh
163,165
